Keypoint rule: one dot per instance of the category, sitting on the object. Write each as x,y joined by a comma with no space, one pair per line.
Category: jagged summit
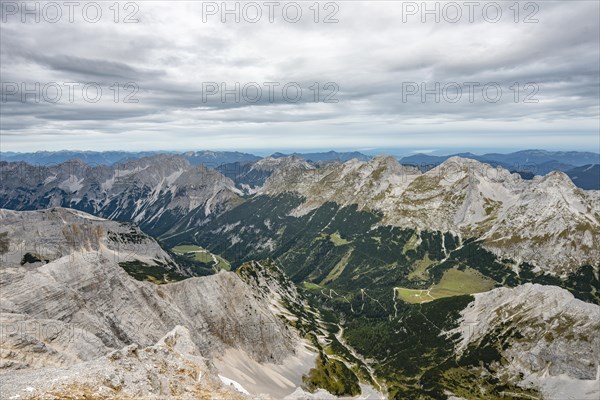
556,179
385,159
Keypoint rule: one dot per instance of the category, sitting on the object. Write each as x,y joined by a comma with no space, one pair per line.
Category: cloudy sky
385,78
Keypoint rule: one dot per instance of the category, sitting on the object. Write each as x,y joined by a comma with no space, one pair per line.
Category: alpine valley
302,276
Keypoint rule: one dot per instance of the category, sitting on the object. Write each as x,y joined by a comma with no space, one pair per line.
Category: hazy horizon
367,151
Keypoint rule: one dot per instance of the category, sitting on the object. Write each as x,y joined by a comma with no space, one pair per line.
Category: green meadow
198,253
454,282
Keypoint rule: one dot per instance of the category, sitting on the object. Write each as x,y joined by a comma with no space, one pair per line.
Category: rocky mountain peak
387,161
556,179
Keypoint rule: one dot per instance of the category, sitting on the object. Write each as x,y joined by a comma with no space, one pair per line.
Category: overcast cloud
370,55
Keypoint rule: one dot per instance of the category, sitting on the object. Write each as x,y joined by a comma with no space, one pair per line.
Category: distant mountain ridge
89,157
518,158
208,158
214,159
528,163
586,177
211,159
326,156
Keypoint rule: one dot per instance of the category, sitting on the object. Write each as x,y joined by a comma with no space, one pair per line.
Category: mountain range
582,167
521,158
299,278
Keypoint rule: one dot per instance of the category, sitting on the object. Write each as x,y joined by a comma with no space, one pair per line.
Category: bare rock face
37,343
548,339
172,368
235,317
65,300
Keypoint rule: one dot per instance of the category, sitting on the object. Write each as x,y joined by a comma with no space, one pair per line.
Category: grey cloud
368,54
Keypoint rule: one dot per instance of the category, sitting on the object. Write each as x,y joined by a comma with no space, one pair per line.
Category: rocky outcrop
70,302
546,338
36,238
172,368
